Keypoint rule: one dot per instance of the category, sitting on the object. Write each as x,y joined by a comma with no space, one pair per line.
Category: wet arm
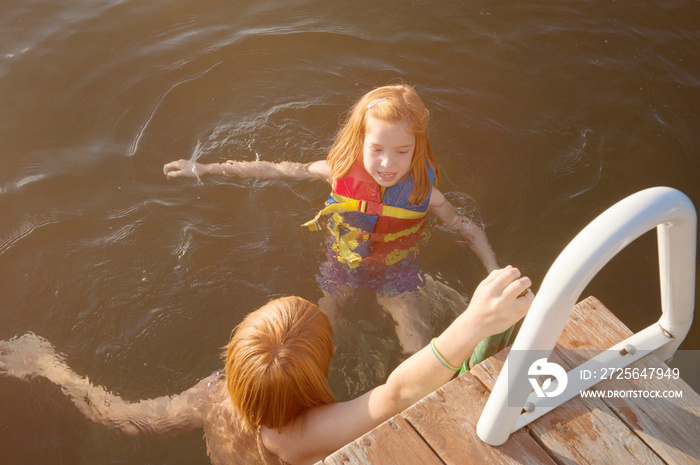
249,169
163,415
31,356
470,231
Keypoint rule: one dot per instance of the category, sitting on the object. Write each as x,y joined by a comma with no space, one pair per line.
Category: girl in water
384,179
273,404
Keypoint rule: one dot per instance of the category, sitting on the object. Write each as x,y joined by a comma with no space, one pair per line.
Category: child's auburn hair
277,363
395,103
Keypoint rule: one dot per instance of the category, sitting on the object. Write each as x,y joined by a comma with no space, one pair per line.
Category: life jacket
369,227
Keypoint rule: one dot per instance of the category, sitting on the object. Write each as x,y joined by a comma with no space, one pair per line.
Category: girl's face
387,151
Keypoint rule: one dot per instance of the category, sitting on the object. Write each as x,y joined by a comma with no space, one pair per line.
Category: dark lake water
544,114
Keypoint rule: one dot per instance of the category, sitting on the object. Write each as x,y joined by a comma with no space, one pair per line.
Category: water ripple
25,229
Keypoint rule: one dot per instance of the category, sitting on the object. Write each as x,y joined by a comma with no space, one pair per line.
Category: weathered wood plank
447,421
670,426
392,442
578,431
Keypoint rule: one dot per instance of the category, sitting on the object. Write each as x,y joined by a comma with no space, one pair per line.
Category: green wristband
440,358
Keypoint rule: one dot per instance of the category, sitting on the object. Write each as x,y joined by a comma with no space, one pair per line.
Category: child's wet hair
394,104
277,362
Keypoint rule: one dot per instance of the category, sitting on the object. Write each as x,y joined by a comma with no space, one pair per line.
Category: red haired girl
384,179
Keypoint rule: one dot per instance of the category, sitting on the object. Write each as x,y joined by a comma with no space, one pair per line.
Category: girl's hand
500,300
28,356
186,168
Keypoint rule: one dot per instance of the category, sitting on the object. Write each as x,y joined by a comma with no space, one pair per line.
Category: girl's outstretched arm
31,356
470,231
499,301
250,169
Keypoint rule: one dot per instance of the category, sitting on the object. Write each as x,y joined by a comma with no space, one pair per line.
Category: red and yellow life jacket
370,226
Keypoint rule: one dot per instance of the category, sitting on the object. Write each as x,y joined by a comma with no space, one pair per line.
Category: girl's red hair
277,362
396,103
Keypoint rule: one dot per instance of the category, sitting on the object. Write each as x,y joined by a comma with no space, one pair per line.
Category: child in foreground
384,179
273,405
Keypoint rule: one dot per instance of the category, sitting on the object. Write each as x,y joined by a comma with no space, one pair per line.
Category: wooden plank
578,431
670,426
447,421
392,442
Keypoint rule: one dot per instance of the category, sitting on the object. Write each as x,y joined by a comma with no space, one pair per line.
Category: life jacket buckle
370,208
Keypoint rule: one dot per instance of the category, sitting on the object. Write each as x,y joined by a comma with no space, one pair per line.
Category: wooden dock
441,428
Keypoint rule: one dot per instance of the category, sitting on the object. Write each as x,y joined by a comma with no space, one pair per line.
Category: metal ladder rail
669,211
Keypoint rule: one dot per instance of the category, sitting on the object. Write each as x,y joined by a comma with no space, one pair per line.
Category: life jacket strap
346,204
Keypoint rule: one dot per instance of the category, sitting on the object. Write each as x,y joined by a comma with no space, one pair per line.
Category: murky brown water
544,114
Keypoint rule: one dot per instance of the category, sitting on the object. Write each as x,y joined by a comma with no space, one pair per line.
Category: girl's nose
385,160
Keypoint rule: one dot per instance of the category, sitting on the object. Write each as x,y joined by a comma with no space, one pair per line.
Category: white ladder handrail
674,216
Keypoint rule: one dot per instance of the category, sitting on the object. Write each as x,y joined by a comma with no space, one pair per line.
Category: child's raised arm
250,169
31,356
471,232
